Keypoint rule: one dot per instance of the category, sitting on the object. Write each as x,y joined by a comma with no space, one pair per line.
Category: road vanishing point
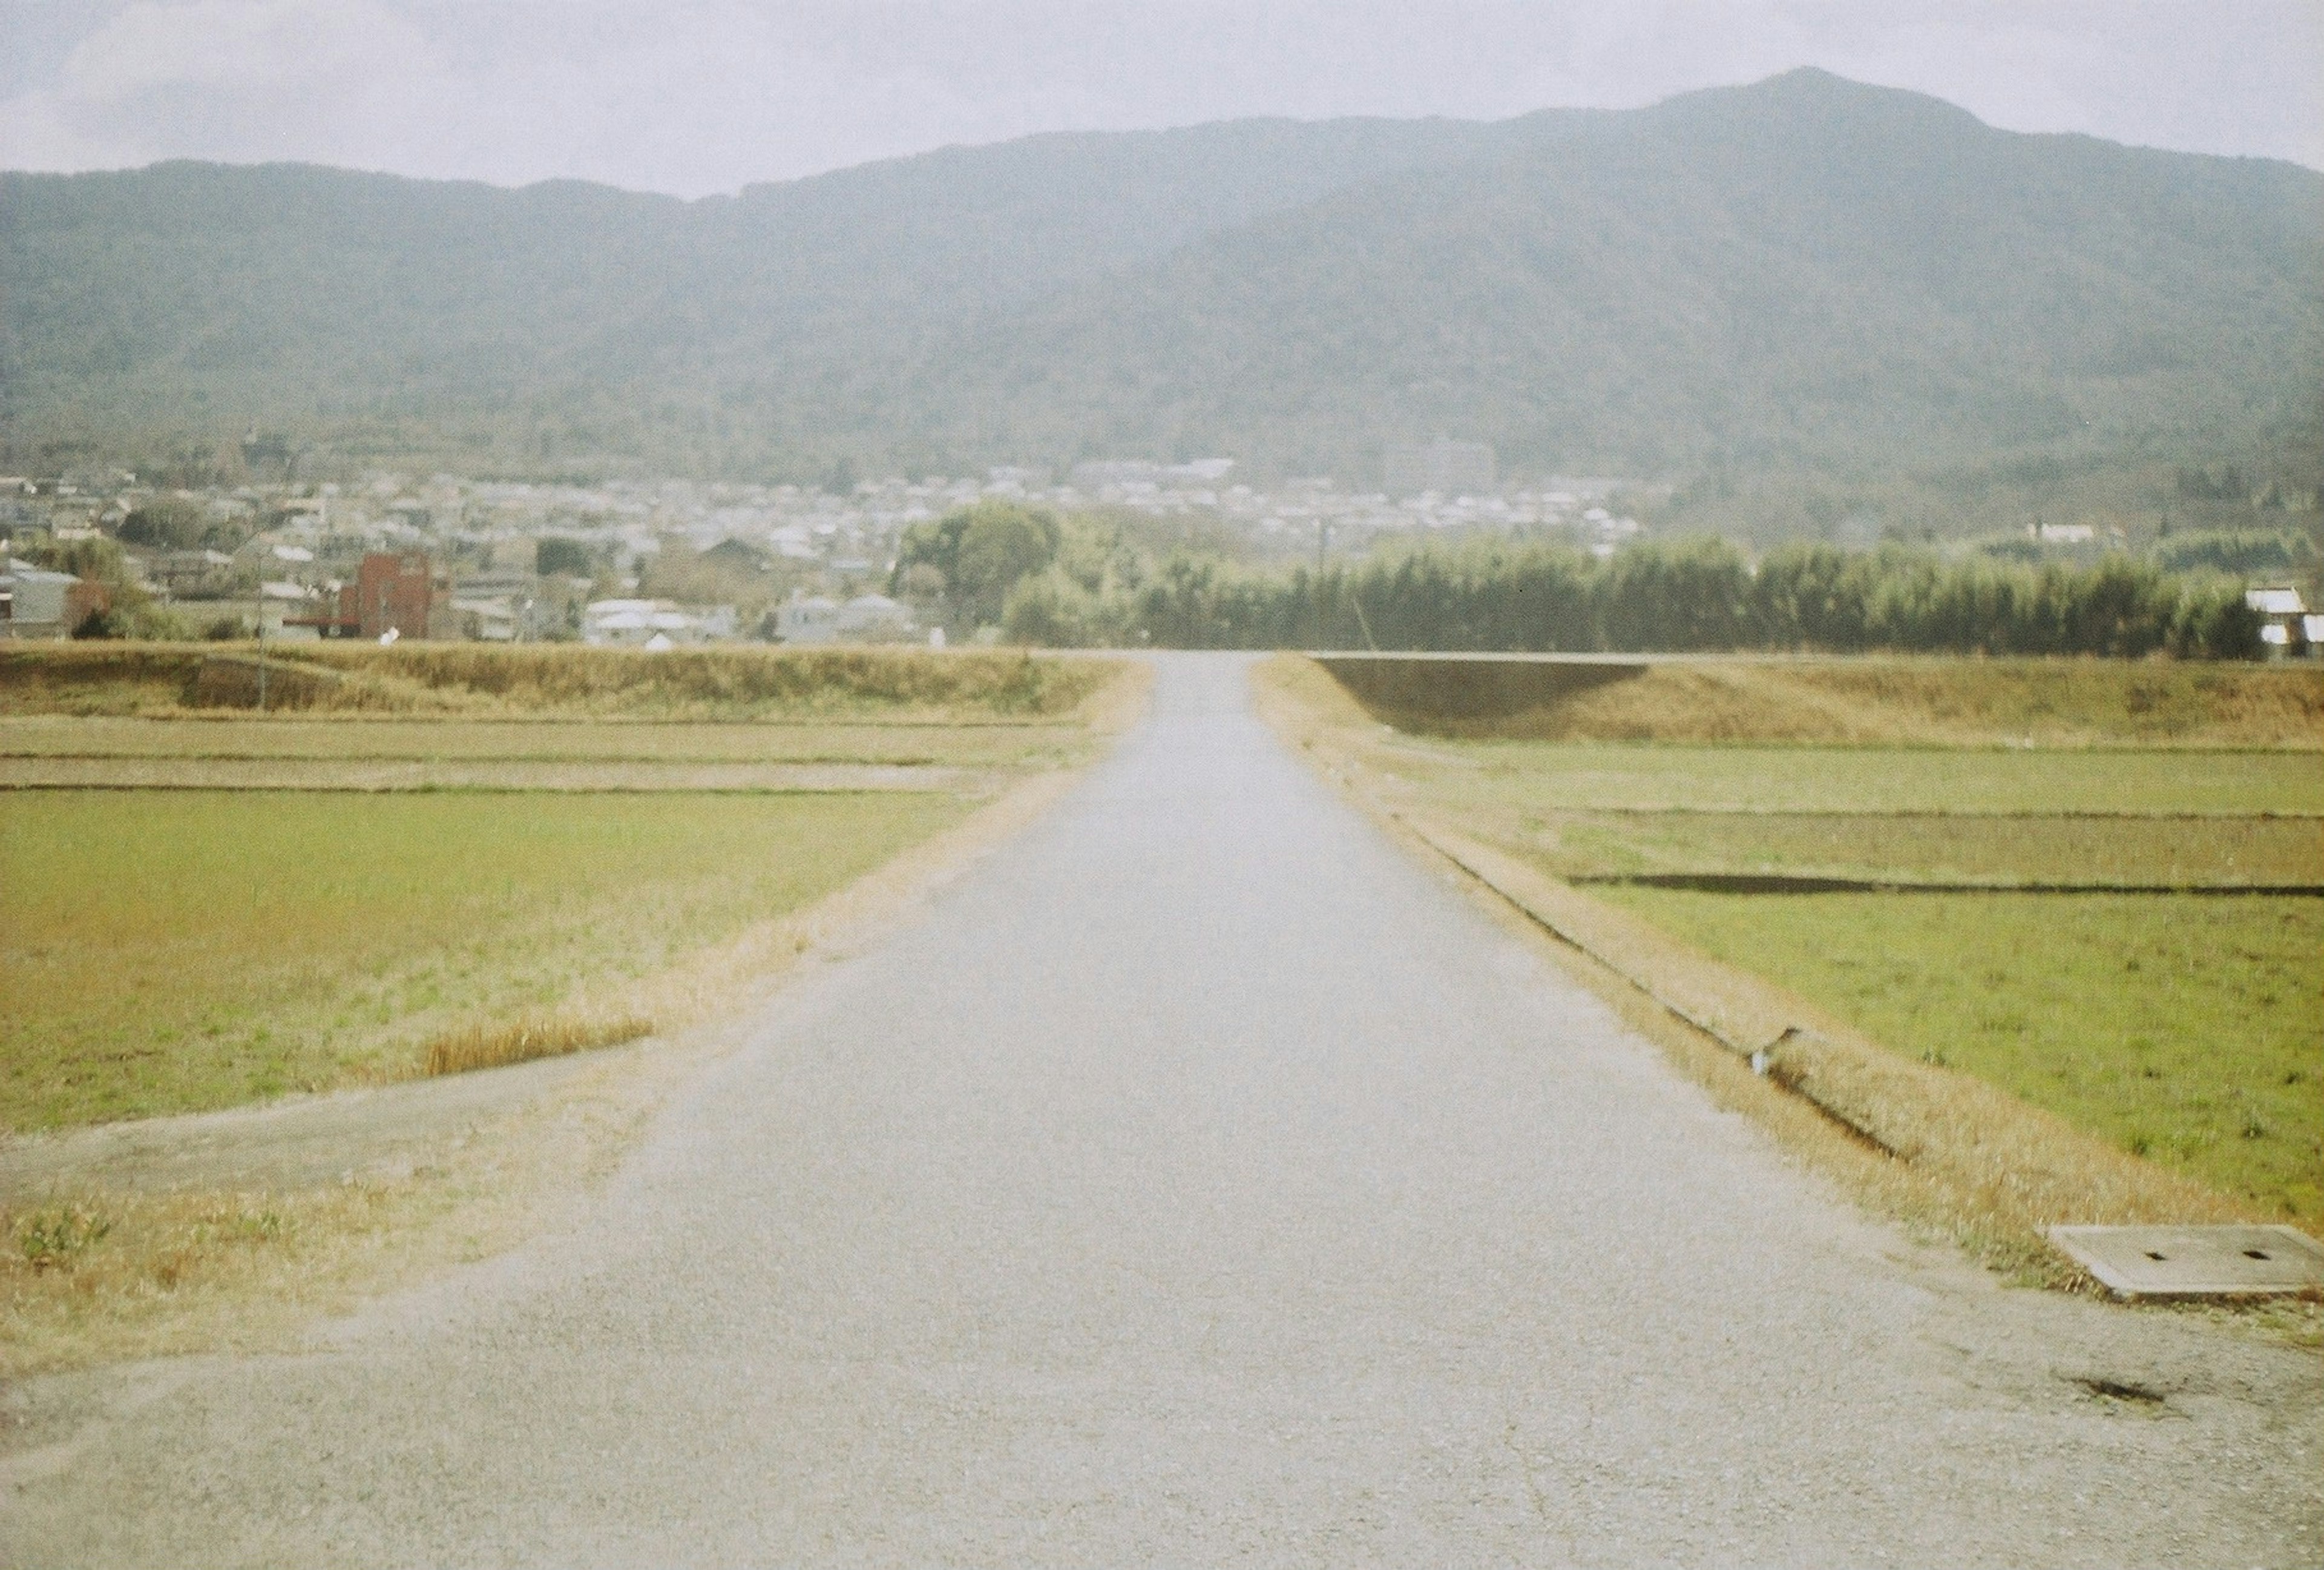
1203,1178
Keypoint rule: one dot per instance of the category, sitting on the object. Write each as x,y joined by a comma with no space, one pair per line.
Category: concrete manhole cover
2194,1261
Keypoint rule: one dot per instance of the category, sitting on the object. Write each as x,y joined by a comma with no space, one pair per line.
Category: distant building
396,591
36,603
1448,467
805,618
2065,533
32,601
2285,625
191,575
1096,476
653,624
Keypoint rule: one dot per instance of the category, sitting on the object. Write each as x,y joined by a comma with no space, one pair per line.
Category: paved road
1206,1181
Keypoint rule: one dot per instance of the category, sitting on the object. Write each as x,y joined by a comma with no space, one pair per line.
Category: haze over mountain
1803,276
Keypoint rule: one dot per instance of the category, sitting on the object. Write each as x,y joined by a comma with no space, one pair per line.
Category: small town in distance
658,563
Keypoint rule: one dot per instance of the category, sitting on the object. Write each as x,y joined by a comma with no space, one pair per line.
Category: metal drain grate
2194,1261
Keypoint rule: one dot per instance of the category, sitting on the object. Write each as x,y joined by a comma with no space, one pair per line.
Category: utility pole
1316,614
262,652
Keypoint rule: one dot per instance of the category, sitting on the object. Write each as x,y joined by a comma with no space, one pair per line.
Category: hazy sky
699,96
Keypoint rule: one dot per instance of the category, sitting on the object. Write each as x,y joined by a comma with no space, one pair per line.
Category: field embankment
1673,827
1863,701
721,683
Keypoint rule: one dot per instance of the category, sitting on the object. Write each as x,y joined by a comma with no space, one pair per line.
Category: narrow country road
1203,1180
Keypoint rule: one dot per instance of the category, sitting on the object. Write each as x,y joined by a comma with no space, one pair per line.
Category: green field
1664,776
168,951
2189,1030
2038,848
450,854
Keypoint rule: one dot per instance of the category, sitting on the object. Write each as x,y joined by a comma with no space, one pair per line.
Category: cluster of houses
515,562
445,559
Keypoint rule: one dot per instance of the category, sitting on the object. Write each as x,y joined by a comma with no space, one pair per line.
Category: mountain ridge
1801,274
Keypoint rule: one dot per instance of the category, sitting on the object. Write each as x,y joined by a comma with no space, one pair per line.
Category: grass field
2190,1030
170,951
1663,776
1940,848
2187,1029
383,885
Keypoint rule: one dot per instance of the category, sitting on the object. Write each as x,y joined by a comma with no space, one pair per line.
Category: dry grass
730,680
725,682
131,1261
159,1274
1889,701
522,1040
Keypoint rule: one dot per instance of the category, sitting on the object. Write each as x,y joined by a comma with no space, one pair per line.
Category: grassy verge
183,950
2183,1030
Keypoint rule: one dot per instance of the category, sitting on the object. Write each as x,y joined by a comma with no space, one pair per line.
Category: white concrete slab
2194,1261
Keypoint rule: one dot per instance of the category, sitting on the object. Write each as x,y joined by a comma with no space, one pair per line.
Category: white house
805,618
2284,619
645,624
34,603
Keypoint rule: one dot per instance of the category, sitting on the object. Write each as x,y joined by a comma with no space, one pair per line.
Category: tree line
1688,595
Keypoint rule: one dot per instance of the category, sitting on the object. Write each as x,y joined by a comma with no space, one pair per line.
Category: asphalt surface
1202,1179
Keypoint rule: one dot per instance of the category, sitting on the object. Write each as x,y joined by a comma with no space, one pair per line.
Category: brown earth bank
1840,700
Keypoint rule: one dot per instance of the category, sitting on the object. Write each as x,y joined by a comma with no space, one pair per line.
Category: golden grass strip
535,1036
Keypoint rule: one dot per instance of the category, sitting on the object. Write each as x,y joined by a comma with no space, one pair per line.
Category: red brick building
392,589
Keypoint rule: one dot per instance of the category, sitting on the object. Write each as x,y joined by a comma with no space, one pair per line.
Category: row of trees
1688,596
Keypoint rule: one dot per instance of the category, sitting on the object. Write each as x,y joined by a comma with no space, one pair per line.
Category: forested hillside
1730,290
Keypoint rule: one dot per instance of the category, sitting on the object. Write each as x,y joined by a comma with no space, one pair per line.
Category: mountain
1804,275
1803,271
